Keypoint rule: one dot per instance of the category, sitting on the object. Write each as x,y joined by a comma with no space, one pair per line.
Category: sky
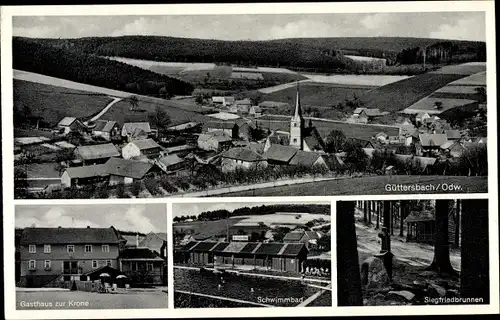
189,209
439,25
141,218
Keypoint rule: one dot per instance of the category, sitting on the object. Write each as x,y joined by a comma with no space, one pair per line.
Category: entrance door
70,267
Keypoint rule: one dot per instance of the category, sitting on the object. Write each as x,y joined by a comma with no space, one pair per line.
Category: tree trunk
441,261
457,224
348,272
402,211
365,211
474,276
370,208
387,215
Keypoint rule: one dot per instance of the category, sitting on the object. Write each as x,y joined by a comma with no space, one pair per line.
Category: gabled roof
255,109
421,114
139,254
69,236
146,144
293,249
250,247
219,125
453,134
220,247
104,125
269,248
243,101
280,153
66,121
294,236
97,151
99,170
428,140
243,154
128,168
170,160
204,246
219,136
234,247
305,158
129,127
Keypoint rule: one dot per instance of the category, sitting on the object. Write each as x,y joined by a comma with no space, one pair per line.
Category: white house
141,148
421,117
68,124
241,157
225,101
106,129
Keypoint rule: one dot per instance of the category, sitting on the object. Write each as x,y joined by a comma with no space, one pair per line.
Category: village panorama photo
252,255
190,106
94,256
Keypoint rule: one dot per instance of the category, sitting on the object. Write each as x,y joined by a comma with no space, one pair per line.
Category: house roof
204,246
153,241
104,125
448,144
453,134
188,246
219,125
98,151
273,104
146,144
243,154
66,121
278,152
369,112
294,236
421,114
243,101
220,247
417,216
255,109
435,139
139,253
170,160
382,134
250,247
293,249
269,248
305,158
99,170
69,236
138,133
128,168
131,126
234,247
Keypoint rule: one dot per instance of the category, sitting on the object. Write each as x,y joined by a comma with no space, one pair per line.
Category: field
316,95
356,80
402,94
360,131
373,186
427,104
278,218
206,227
53,103
465,69
477,79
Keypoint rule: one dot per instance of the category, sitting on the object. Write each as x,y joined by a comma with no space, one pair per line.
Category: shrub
136,188
152,185
102,192
167,186
120,191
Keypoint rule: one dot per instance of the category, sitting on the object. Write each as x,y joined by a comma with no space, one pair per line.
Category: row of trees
442,52
263,210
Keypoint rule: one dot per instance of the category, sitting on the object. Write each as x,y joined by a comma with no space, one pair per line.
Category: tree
348,271
356,158
20,183
133,102
280,234
481,92
335,141
256,133
474,275
164,93
199,99
161,119
441,261
325,243
65,155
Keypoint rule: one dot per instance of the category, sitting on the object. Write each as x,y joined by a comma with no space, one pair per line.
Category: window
46,248
94,264
32,264
32,248
294,140
47,265
71,248
88,248
149,266
108,263
105,248
294,124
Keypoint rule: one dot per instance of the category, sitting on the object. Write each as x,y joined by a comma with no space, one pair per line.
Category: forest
305,54
79,66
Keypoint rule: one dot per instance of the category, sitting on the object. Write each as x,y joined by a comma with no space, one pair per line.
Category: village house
225,101
302,236
245,129
243,106
362,143
215,140
421,226
156,242
241,157
127,171
145,149
247,231
364,115
452,148
287,257
421,118
136,130
108,130
277,137
430,142
142,265
85,175
278,154
71,124
228,127
309,160
453,135
255,111
65,254
96,154
183,126
170,163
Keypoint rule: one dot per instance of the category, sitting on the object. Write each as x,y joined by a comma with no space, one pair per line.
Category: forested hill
299,53
265,209
84,67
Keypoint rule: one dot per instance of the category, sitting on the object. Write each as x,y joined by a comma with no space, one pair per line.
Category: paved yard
134,299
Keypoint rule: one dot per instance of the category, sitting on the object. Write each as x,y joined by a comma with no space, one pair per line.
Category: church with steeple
302,137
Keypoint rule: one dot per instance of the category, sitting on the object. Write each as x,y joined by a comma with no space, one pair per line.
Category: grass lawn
41,170
359,131
128,300
372,186
54,103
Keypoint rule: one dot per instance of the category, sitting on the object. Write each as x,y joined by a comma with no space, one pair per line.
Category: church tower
297,125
